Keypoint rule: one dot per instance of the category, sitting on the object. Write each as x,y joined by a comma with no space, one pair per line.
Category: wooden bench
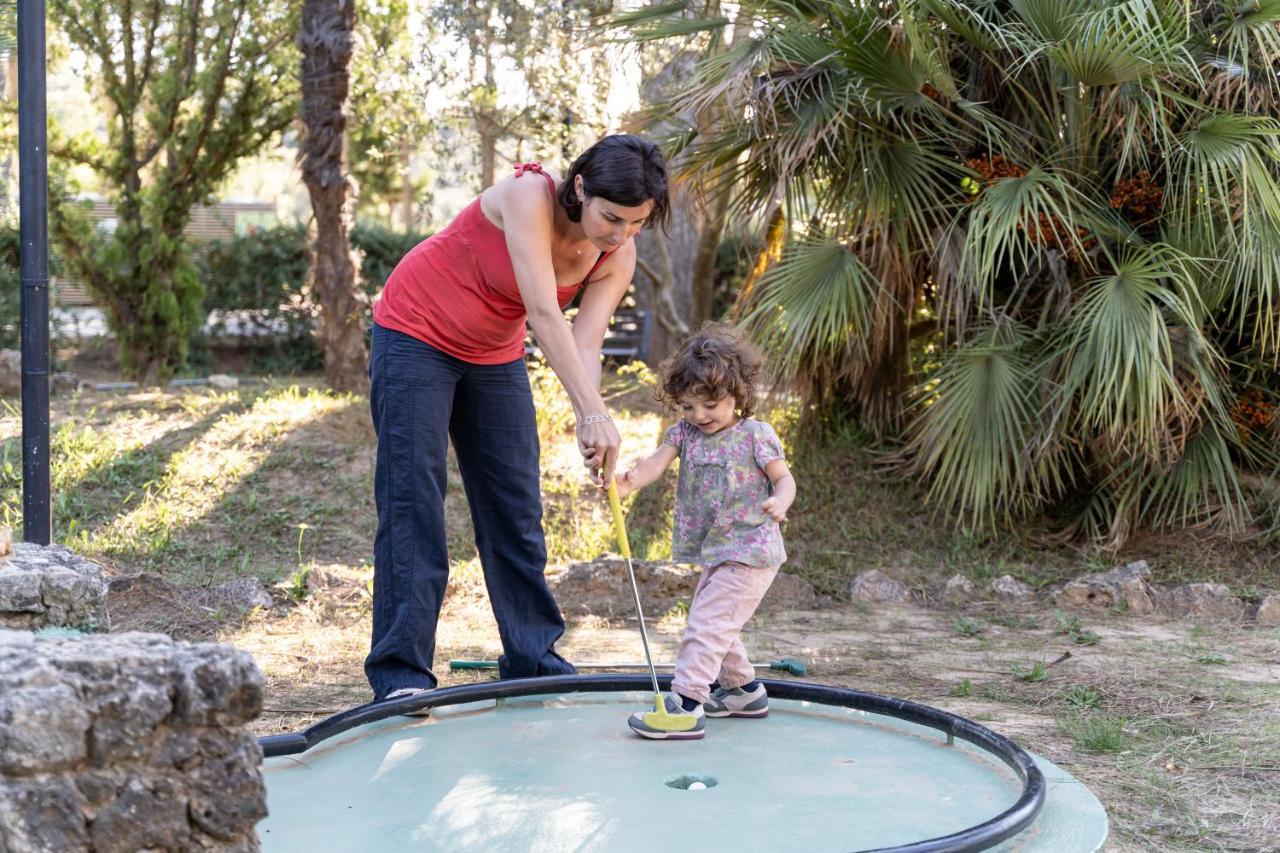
626,339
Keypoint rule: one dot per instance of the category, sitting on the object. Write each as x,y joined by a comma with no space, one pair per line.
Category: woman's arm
647,470
527,217
599,301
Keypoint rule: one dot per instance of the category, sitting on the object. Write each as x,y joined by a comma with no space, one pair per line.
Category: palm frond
975,432
1016,218
664,21
1117,351
1124,42
811,308
1051,21
1246,34
1203,486
978,23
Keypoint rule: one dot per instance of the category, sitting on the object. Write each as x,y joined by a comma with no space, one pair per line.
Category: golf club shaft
644,634
620,527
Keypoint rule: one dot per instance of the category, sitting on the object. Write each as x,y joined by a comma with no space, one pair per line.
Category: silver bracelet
594,419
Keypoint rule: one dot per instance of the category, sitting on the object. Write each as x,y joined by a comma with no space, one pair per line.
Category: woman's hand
599,442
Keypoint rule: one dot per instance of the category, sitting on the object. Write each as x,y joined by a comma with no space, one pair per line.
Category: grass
1082,698
1035,672
1096,733
205,486
1074,629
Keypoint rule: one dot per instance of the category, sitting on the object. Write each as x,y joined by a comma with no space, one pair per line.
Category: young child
734,488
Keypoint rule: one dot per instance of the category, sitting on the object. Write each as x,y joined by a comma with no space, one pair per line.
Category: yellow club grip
619,526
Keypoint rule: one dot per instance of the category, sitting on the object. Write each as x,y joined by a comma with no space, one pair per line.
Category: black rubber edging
980,837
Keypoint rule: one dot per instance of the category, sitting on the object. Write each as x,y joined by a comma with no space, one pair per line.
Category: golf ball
697,786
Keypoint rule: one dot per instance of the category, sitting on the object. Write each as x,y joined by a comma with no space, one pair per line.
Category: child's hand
774,509
624,483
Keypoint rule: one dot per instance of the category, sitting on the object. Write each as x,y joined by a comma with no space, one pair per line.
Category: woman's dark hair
714,363
624,169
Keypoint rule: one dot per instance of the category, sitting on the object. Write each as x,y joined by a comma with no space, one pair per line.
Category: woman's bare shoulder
526,194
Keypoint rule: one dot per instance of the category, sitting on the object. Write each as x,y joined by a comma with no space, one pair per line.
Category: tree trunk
406,188
704,259
325,37
704,262
488,130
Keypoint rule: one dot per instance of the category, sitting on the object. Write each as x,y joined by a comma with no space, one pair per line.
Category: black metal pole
33,233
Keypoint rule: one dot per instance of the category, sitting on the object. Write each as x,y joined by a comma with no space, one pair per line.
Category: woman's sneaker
410,691
691,725
736,702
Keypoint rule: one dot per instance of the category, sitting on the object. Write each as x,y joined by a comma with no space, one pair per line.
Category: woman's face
608,225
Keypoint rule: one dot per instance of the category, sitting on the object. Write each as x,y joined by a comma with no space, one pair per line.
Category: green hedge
257,282
266,271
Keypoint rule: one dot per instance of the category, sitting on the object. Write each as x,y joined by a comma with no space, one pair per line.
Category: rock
241,595
228,793
11,375
223,382
1128,584
39,815
1268,612
19,593
141,819
10,372
875,585
51,586
127,742
789,592
64,381
1009,588
125,722
958,588
221,690
42,728
149,582
1201,599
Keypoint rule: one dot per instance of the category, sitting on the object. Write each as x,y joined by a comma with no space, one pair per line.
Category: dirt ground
1193,762
1173,723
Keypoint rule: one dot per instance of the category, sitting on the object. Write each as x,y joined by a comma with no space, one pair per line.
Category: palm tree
325,37
1040,239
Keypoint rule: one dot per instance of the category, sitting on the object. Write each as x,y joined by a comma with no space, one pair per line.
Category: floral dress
721,488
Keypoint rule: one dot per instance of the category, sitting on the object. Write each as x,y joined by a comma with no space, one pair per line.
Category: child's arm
647,470
784,490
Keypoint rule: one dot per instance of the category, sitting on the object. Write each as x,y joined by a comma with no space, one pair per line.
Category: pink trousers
726,596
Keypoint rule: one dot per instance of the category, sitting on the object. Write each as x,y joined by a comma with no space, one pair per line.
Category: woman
448,361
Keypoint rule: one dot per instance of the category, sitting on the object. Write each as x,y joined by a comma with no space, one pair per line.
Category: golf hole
691,783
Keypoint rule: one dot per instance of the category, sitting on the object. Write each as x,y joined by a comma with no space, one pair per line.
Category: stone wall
50,586
127,742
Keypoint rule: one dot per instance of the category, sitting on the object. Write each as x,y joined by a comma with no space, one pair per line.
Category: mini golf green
549,765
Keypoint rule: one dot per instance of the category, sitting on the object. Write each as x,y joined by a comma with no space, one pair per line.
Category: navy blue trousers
420,398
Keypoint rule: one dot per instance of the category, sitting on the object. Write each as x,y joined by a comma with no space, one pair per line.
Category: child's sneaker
674,707
736,702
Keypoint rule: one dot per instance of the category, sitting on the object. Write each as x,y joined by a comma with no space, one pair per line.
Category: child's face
707,414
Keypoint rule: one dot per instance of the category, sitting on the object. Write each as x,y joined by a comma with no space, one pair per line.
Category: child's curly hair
715,362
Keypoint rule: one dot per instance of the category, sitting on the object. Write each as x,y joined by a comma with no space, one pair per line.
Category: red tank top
457,291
